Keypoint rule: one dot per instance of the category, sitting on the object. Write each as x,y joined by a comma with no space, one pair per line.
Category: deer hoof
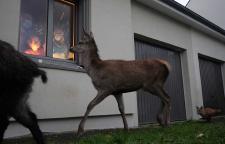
160,119
167,122
80,132
126,129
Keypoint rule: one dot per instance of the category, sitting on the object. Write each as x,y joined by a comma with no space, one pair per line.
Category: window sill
46,62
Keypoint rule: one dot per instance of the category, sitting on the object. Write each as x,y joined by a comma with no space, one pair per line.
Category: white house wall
112,28
213,10
208,46
67,93
148,22
157,25
152,24
63,100
9,20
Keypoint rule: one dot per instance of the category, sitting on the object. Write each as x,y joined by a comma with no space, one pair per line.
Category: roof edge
194,15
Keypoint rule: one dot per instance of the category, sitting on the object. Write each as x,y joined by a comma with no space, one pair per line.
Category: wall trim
194,15
158,43
78,117
210,58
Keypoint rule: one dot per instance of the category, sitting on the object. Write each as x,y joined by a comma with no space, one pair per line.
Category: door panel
212,84
148,104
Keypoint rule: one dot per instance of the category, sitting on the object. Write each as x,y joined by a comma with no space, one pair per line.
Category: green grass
193,132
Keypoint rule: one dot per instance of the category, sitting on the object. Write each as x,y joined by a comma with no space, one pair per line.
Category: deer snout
76,49
72,49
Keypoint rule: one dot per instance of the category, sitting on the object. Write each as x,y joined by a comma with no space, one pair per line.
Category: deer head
86,49
87,41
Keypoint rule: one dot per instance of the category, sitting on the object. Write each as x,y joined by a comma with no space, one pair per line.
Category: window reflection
62,30
36,23
33,27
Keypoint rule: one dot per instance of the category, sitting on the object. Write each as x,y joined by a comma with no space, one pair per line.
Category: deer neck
91,63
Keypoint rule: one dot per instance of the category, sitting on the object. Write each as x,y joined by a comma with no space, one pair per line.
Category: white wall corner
192,79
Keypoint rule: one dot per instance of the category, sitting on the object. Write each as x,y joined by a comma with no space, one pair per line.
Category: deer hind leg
167,106
119,99
100,97
28,119
164,116
168,110
4,122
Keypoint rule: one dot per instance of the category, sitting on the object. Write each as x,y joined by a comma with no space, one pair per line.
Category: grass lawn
193,132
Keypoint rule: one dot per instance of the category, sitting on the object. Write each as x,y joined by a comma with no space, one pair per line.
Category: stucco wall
62,101
208,46
67,93
212,10
147,21
9,16
157,25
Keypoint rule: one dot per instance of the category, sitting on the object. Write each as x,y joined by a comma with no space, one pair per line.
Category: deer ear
85,34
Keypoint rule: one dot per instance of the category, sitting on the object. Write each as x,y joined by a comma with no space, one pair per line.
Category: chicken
207,113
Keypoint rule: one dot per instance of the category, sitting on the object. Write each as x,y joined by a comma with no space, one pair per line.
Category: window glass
63,27
33,27
48,29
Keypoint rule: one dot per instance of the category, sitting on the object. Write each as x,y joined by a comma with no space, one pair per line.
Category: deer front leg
119,100
100,97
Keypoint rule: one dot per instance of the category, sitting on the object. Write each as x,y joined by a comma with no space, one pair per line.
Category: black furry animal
17,73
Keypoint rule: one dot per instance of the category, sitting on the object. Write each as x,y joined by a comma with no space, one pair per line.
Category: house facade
211,10
123,29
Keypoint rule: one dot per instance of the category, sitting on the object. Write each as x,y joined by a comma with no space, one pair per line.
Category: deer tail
165,63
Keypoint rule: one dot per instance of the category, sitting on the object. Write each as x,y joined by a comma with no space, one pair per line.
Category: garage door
148,104
212,83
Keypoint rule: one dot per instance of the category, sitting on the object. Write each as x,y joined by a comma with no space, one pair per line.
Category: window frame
48,61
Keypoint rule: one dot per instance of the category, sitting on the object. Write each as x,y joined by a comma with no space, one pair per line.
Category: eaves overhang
185,15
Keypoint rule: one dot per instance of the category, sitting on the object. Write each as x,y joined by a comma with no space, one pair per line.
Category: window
48,28
63,28
33,27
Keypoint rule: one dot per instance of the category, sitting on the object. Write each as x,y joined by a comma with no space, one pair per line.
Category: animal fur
17,73
207,112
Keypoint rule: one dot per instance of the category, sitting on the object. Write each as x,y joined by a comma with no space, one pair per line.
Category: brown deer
115,77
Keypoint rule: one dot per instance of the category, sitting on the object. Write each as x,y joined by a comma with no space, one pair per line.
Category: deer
17,73
115,77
